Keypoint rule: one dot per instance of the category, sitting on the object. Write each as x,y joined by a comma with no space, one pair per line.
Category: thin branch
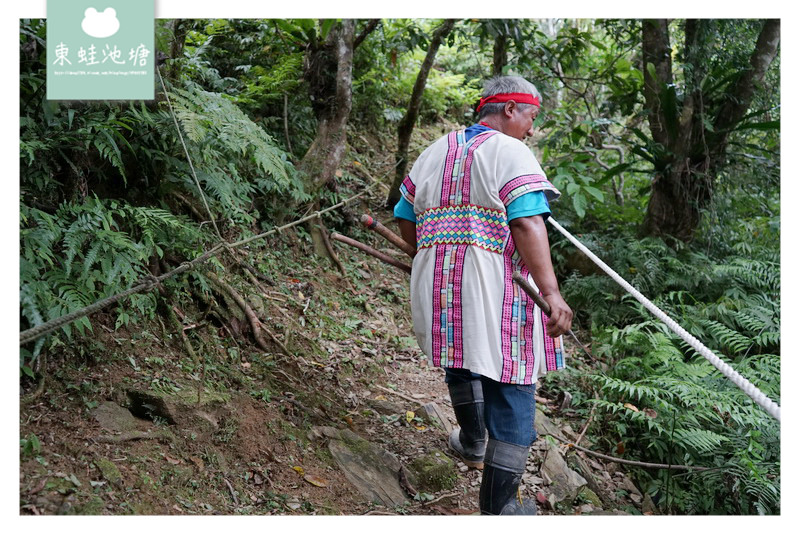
627,461
400,394
371,25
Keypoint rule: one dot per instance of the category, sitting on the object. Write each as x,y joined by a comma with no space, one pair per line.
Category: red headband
520,98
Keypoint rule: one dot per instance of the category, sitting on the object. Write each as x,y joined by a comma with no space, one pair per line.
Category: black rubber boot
468,441
504,465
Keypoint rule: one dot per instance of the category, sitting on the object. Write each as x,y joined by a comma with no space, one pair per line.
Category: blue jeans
509,409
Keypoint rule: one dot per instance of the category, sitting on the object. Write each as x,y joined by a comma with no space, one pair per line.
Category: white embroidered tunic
467,312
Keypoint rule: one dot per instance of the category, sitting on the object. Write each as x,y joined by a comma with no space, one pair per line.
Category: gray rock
648,506
370,468
564,482
565,399
433,414
569,432
544,426
114,417
628,485
385,407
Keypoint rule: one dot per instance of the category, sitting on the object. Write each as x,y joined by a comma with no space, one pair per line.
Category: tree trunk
676,200
687,157
500,55
406,126
329,73
656,51
178,27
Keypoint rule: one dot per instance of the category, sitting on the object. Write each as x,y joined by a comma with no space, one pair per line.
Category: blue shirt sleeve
405,210
529,204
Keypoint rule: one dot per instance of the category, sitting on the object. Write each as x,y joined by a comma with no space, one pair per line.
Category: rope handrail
740,381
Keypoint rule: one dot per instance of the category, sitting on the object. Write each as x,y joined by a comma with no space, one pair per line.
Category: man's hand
560,315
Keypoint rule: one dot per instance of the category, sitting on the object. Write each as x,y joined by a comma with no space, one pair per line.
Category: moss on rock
109,470
589,495
433,472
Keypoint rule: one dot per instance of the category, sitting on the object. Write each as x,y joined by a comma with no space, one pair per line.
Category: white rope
751,390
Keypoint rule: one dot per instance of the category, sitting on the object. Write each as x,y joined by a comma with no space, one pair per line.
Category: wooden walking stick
372,251
388,234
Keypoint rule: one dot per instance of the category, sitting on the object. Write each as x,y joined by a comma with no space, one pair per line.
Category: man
475,204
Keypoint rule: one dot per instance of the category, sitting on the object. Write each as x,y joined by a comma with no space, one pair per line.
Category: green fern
255,166
92,250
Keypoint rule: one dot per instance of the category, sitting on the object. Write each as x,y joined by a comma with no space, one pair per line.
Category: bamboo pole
372,251
388,234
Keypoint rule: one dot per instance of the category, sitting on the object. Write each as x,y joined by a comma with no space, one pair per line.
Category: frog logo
100,25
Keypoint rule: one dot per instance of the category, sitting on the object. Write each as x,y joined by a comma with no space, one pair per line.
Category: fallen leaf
380,397
409,416
651,413
172,461
420,428
293,504
315,480
338,173
632,407
198,463
620,448
40,486
299,470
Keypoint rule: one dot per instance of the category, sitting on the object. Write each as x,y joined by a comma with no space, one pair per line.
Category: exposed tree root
331,252
276,340
255,323
185,201
133,435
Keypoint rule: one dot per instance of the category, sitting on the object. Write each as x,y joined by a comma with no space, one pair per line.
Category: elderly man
474,205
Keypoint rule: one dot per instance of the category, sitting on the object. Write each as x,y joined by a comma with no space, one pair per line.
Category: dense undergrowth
107,199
